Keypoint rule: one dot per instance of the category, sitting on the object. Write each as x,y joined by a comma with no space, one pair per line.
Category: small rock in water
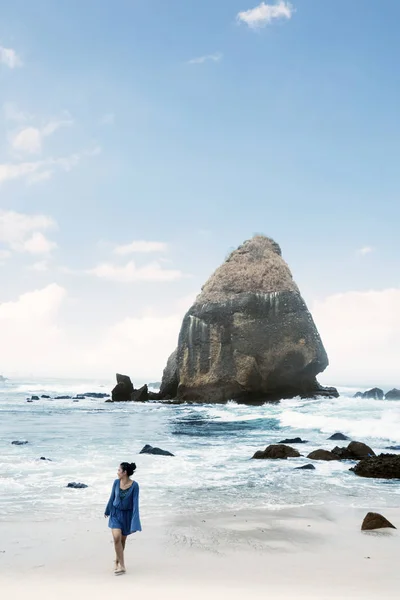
34,397
277,451
296,440
62,398
384,466
19,443
29,400
322,455
354,451
375,521
150,450
339,437
306,468
77,486
44,458
392,447
45,396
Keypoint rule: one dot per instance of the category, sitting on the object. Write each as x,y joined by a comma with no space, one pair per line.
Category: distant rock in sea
295,440
309,467
248,336
77,486
354,451
322,455
276,452
394,394
123,390
147,449
19,443
373,394
384,466
339,437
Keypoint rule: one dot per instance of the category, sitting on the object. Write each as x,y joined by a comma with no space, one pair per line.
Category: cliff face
249,334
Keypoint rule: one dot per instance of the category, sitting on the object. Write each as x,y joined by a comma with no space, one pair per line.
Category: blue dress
123,509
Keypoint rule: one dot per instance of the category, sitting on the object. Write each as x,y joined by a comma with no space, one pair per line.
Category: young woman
123,510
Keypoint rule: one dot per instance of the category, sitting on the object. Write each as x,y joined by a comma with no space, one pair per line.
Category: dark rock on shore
375,521
277,451
373,394
322,455
140,395
249,335
394,394
296,440
123,390
19,443
384,466
354,451
339,437
158,451
306,468
77,486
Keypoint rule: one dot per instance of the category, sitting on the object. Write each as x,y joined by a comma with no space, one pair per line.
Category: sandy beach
309,552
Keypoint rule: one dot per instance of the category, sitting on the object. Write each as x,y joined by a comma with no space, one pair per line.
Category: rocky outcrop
170,379
140,395
375,521
248,336
322,455
277,451
158,451
123,390
308,467
354,451
394,394
339,437
384,466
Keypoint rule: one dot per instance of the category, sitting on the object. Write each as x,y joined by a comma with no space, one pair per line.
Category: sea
212,445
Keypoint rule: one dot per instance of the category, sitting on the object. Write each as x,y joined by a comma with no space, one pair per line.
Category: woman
123,510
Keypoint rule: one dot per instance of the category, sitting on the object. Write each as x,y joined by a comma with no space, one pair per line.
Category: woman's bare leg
119,549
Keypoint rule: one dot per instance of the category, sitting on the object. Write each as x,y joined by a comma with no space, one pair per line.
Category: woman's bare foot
116,565
120,570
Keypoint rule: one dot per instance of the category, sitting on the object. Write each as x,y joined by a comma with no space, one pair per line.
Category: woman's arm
136,525
110,502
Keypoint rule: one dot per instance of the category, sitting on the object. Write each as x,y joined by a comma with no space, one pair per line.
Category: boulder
140,395
339,437
249,335
296,440
394,394
354,451
19,443
306,468
123,390
322,455
34,397
45,396
277,451
150,450
77,486
375,521
384,466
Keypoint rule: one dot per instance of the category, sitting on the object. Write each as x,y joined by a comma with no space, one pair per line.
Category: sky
141,142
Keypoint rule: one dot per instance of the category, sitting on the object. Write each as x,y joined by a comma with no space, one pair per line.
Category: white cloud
365,250
41,266
130,273
264,14
30,139
9,58
29,332
24,233
361,332
4,255
208,57
140,246
13,113
41,170
27,140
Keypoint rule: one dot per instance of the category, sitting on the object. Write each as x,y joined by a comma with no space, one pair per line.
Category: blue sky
194,125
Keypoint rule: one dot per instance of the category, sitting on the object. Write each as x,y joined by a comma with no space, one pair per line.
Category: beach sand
307,552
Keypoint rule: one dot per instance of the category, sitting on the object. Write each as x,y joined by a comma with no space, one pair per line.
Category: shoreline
309,551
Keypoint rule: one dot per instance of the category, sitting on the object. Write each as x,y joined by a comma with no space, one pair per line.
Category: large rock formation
249,335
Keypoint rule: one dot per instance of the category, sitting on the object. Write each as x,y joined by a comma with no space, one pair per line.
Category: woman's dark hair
129,468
